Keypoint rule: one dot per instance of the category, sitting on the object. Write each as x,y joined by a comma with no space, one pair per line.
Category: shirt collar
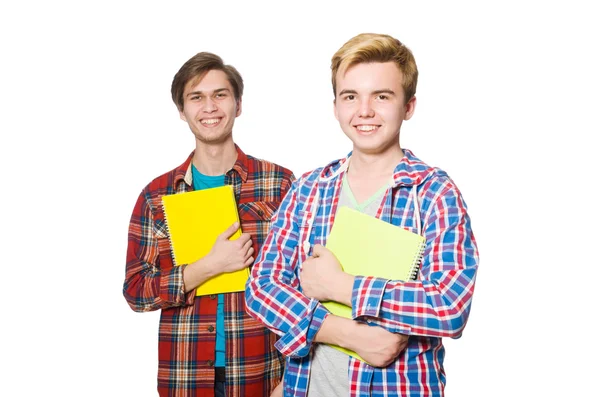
410,171
241,165
184,171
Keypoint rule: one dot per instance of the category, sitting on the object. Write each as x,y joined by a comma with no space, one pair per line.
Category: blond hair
372,47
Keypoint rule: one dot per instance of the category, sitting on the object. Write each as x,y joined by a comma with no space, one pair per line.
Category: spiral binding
169,233
414,270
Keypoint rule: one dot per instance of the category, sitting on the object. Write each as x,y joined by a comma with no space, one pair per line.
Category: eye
194,97
349,97
382,97
221,95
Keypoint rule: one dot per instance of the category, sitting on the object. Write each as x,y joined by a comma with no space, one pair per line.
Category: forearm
265,299
438,303
336,331
375,345
199,272
342,289
419,308
148,286
273,297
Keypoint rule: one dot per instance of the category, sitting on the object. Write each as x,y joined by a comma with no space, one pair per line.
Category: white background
507,105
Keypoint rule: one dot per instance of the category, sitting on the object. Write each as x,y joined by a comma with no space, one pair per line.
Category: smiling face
370,106
210,108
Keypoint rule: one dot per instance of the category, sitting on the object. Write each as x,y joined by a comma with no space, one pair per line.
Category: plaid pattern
186,346
436,305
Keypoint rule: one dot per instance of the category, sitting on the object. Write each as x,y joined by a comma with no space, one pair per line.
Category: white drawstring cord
315,205
415,199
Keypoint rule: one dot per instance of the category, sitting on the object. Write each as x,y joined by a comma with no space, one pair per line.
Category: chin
213,138
370,148
366,143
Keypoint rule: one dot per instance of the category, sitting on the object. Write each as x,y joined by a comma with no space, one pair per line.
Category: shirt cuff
172,288
367,295
299,339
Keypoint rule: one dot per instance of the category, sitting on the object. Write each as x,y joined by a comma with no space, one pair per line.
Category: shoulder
267,168
324,173
309,178
439,190
307,184
164,184
414,171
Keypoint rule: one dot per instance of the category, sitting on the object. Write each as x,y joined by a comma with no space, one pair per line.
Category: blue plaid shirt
435,305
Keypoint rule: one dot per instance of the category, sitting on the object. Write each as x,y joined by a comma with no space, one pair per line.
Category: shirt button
213,296
260,212
211,328
210,363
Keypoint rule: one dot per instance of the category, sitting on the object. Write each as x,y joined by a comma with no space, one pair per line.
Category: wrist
337,331
342,289
351,335
198,272
210,265
206,267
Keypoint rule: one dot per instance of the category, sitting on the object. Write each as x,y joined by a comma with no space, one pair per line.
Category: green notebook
367,246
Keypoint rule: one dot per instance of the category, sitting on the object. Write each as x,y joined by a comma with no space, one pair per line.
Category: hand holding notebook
231,253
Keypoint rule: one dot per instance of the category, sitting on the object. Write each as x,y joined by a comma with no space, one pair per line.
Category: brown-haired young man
208,345
397,325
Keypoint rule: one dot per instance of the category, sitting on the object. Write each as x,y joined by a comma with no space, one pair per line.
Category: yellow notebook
195,220
367,246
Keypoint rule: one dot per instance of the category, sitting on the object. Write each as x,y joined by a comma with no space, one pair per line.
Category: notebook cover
195,220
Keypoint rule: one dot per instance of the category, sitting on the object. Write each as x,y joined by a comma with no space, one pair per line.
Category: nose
209,105
365,110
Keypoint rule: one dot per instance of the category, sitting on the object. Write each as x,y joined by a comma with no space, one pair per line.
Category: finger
244,237
229,231
318,250
250,252
249,261
246,247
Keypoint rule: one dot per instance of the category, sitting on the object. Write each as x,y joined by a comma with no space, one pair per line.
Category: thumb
229,231
318,250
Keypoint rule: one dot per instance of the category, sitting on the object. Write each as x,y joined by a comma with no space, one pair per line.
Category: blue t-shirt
202,181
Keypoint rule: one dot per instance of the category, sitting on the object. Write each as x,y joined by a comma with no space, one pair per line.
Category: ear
182,116
239,107
410,108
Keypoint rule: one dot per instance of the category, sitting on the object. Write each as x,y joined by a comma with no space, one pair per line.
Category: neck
214,160
365,165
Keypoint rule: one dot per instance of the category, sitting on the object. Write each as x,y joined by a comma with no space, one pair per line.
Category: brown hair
196,68
371,47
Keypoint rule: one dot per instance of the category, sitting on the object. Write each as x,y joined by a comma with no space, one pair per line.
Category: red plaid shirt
186,346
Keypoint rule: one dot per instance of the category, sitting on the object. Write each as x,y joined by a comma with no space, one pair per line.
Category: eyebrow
376,92
385,91
201,92
342,92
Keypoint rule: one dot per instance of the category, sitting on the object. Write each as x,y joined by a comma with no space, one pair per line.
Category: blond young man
208,345
397,326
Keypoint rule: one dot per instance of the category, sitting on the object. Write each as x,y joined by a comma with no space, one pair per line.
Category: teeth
365,128
210,121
